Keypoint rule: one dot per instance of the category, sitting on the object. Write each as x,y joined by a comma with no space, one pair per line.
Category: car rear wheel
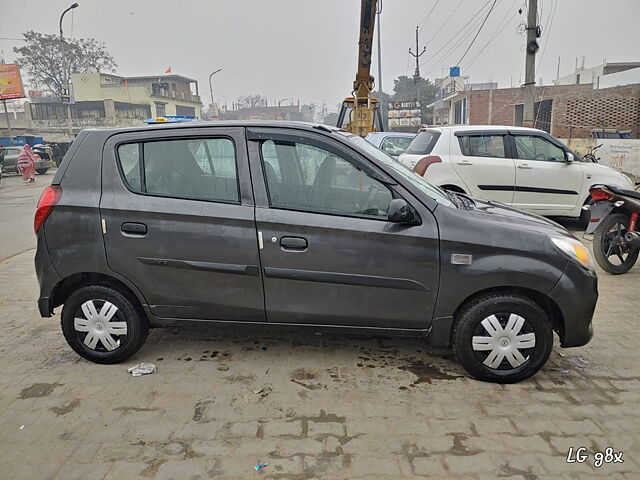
503,338
103,325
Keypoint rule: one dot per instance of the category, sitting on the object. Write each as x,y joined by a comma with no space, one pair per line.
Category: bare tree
251,101
50,61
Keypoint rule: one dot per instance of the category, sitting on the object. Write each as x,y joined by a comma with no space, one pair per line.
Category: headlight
575,250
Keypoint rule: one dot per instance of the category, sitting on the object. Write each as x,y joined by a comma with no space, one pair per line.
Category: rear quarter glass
423,142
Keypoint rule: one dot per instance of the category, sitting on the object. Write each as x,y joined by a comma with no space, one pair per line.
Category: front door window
305,177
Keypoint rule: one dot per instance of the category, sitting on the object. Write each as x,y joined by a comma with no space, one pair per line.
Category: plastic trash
260,466
264,390
142,369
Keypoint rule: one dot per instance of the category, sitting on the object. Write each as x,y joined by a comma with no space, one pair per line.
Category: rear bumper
43,307
46,273
576,293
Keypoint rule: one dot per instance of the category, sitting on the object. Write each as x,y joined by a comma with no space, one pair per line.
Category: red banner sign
10,82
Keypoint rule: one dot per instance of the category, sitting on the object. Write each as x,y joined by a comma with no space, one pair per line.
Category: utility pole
62,45
378,12
416,75
6,113
417,56
533,33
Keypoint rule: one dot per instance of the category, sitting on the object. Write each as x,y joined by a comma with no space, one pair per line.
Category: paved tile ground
310,406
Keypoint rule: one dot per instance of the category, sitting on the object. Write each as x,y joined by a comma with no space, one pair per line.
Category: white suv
523,167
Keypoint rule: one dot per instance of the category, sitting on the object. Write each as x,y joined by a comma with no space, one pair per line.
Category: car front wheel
503,338
103,325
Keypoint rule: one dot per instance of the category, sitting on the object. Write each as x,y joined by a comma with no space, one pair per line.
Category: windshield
432,191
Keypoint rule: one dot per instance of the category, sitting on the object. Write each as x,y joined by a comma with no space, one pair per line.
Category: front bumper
576,294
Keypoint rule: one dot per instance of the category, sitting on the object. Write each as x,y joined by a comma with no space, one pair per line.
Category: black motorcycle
614,224
591,155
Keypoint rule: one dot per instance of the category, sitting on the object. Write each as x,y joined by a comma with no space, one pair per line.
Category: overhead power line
501,26
428,15
550,17
442,25
451,43
478,33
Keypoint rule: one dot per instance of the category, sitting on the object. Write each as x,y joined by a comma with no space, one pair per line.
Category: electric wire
452,42
501,26
479,30
442,25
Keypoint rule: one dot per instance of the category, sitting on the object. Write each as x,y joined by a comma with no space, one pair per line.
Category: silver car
12,153
392,143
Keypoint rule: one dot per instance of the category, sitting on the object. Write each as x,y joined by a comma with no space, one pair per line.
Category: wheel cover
102,332
508,344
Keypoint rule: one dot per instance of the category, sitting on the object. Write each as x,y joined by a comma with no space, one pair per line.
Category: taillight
424,163
49,198
597,194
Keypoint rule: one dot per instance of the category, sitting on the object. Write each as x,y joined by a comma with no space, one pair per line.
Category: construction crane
360,114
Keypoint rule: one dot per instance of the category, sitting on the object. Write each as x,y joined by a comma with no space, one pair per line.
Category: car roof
217,123
391,134
470,128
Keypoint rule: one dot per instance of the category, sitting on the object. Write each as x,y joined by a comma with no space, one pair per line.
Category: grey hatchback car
297,224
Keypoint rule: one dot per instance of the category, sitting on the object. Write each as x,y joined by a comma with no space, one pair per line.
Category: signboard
66,94
454,71
404,114
10,82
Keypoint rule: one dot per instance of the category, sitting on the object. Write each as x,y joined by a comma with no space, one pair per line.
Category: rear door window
491,146
198,169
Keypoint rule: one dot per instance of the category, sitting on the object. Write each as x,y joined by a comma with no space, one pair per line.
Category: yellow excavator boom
360,114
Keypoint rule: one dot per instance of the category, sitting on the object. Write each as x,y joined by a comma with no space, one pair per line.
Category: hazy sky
308,49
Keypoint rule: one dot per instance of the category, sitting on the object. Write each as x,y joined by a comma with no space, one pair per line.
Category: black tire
602,244
585,215
127,312
469,324
41,171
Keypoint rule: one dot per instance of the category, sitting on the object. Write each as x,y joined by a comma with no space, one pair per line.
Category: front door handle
297,244
134,229
525,166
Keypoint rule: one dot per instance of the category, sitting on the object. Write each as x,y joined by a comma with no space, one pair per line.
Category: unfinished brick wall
575,116
497,107
578,107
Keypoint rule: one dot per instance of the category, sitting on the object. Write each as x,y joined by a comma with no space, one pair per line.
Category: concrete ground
310,406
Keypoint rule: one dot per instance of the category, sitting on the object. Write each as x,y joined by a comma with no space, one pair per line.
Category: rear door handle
525,166
465,162
135,229
297,244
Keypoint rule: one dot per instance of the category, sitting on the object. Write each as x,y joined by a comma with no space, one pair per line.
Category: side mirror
401,212
570,157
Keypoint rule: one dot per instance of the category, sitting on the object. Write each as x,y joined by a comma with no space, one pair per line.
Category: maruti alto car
297,224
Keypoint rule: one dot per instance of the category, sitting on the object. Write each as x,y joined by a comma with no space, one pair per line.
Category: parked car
11,160
521,167
45,152
393,143
297,224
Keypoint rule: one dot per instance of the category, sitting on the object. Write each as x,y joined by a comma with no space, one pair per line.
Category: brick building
565,111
